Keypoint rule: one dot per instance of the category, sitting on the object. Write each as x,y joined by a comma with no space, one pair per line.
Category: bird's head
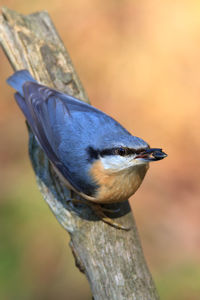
121,155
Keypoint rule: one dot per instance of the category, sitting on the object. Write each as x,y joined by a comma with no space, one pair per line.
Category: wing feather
52,123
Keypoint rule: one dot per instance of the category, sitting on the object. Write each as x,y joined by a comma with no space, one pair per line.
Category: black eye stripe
110,151
120,151
93,153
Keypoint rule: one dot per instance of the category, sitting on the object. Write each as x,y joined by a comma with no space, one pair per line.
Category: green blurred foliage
35,260
139,61
179,283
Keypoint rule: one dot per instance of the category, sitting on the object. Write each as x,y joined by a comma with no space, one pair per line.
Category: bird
93,155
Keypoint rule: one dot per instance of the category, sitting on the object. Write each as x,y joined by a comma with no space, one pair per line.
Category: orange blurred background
139,61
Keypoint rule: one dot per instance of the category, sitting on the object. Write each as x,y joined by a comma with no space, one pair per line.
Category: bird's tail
18,79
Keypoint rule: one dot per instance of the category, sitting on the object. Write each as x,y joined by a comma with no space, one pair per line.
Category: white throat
118,163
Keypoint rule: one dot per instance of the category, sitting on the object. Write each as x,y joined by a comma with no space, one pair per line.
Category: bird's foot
99,211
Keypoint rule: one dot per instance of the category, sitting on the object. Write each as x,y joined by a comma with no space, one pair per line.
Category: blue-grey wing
65,128
55,130
44,139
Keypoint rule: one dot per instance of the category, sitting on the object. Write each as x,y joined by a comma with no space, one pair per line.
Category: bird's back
66,128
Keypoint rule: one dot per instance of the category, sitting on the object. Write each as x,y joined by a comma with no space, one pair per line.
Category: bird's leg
74,200
99,211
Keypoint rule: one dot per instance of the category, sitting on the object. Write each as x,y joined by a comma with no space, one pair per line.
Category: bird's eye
121,151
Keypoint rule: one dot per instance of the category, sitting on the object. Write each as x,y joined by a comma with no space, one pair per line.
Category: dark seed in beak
152,154
159,155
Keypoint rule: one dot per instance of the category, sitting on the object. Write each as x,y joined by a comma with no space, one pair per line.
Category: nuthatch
93,154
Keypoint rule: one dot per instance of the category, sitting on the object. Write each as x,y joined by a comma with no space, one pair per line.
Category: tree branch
112,259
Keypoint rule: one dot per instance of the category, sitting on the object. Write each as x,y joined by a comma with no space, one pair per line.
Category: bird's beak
151,154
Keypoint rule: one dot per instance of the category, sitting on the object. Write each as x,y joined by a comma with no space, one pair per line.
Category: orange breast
116,186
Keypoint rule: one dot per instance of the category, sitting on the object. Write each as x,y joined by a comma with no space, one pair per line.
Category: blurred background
139,61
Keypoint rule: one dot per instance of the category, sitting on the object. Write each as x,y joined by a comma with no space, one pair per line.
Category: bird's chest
117,186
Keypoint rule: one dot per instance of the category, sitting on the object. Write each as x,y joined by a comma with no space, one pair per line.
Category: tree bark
112,259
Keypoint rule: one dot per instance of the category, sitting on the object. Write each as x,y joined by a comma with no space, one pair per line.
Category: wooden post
112,259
